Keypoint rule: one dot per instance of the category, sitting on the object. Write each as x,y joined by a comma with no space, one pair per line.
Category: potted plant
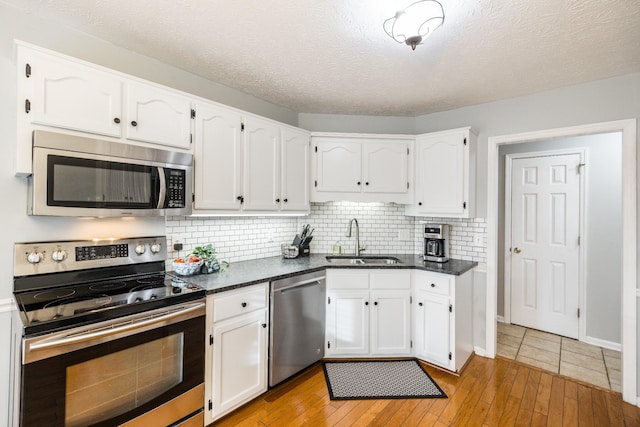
207,254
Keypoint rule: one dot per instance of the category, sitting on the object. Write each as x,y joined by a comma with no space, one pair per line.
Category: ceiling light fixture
415,23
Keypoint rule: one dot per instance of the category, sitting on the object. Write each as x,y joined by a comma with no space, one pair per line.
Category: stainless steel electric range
106,336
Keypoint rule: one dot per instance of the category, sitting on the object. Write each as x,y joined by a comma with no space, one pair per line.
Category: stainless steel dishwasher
297,324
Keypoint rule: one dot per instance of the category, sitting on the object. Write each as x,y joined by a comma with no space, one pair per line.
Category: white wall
603,182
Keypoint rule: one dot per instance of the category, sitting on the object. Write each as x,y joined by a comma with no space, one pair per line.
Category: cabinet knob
116,120
375,303
285,200
134,123
366,303
420,304
433,285
366,183
419,203
358,182
244,304
277,200
240,198
264,325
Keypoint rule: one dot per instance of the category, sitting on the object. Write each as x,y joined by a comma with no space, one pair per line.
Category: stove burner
150,279
99,300
107,286
54,294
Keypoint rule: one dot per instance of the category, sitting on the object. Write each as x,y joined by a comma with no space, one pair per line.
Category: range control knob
34,257
155,248
59,255
140,249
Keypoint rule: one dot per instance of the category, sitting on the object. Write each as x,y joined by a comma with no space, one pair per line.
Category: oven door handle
134,325
162,194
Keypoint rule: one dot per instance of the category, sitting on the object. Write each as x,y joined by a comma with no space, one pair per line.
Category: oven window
102,388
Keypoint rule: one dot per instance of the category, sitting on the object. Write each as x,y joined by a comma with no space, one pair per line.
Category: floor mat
379,379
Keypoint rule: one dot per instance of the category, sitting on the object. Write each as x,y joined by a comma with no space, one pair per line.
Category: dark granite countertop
245,273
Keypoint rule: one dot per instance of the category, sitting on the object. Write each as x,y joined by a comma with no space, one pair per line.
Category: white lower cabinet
368,313
442,320
236,363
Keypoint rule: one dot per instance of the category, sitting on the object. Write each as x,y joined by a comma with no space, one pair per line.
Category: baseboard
480,351
500,319
603,343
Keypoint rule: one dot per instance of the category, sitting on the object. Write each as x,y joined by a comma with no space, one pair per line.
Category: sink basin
362,260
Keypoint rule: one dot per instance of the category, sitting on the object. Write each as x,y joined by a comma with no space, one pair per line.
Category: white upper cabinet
385,167
338,166
246,165
69,95
361,168
218,154
294,187
158,116
444,174
261,165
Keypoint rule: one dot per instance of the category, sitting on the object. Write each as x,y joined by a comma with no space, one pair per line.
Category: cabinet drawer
431,283
241,301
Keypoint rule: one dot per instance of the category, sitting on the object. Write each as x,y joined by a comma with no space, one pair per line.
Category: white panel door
158,116
338,167
385,167
441,168
239,361
72,96
294,192
433,329
217,165
347,323
545,216
261,165
391,323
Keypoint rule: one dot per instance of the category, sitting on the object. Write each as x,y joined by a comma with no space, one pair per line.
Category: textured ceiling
332,56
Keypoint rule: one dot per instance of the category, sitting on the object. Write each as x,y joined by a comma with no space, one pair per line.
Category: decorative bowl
186,268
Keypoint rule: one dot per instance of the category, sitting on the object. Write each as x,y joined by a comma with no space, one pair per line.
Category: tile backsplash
384,229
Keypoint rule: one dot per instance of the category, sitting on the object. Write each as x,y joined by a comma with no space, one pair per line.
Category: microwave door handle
162,193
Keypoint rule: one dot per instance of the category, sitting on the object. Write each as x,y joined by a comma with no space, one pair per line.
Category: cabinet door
294,193
217,164
261,184
239,361
385,166
347,323
432,328
338,167
158,116
441,169
391,323
70,95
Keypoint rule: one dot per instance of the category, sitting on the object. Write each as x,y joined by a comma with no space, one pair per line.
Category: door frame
582,231
629,245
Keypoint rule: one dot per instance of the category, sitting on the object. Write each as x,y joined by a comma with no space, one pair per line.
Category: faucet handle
363,247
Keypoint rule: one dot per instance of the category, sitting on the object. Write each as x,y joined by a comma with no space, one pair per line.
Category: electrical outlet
404,235
478,240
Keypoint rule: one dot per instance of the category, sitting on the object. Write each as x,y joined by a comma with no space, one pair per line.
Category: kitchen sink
362,260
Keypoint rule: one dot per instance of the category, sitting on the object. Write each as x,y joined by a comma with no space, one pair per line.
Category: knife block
303,250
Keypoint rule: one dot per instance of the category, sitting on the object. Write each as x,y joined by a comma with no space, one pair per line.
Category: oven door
111,373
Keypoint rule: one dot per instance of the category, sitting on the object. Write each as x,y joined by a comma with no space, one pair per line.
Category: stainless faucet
357,249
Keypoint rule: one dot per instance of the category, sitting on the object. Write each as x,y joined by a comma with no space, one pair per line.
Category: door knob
516,250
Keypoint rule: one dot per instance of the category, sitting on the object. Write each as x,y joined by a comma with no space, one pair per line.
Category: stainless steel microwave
78,176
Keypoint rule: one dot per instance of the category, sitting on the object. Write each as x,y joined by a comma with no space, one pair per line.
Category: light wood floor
490,392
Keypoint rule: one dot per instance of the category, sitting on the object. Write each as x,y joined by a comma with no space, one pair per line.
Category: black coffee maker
436,242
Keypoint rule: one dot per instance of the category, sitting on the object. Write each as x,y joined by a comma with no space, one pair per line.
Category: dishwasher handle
304,283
